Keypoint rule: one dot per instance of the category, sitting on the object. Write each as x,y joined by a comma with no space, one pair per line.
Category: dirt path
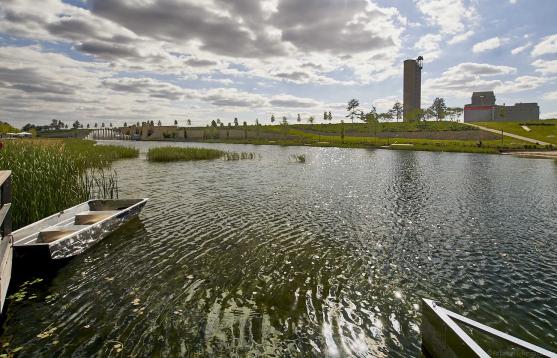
526,139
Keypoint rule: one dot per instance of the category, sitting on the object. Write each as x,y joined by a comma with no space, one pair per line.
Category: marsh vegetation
172,154
52,175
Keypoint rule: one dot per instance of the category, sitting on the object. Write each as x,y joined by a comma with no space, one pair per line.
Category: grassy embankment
50,175
545,130
174,154
380,135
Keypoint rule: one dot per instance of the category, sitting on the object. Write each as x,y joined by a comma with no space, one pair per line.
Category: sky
136,60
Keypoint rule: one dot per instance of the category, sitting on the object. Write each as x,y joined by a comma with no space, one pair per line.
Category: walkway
526,139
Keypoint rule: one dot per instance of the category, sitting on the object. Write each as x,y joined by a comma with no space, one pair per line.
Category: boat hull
82,240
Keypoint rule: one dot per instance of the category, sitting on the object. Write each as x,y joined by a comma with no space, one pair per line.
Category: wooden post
6,242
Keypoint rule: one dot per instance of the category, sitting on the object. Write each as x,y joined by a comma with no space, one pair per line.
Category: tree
438,109
188,122
325,116
236,122
159,123
245,124
110,124
372,119
330,116
454,113
311,119
96,125
213,123
137,124
397,110
353,109
54,124
125,124
342,131
272,118
299,119
88,126
66,126
102,125
284,125
176,122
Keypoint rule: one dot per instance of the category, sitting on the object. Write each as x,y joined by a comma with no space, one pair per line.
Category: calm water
331,257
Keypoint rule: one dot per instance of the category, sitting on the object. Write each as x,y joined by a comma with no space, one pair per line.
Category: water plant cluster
240,155
299,158
171,154
51,175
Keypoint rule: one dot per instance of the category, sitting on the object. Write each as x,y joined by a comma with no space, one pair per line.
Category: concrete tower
412,87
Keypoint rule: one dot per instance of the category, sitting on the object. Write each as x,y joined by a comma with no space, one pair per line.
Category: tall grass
172,154
51,175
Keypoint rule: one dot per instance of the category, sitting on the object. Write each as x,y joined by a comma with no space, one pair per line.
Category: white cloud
550,96
452,16
429,46
463,79
545,67
520,84
487,45
460,37
548,45
548,115
517,50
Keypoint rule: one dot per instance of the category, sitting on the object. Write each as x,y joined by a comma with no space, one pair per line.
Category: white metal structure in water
443,337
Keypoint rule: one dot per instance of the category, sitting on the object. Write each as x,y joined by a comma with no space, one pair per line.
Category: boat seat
92,217
54,233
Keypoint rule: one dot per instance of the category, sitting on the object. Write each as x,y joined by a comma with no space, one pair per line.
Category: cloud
289,101
452,16
481,69
428,45
550,96
548,45
463,79
545,67
517,50
460,37
487,45
548,115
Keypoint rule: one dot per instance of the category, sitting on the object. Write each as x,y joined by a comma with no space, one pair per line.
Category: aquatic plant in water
299,158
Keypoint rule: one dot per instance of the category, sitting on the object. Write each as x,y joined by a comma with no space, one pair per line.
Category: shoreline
430,146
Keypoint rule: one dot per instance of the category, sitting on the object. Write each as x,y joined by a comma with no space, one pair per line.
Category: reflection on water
330,257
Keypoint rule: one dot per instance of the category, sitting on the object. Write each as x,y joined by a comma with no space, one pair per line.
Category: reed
51,175
172,154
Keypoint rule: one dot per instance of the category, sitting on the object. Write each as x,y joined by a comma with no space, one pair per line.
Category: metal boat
443,336
74,230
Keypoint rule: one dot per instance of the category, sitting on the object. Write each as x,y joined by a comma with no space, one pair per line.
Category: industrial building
412,96
484,109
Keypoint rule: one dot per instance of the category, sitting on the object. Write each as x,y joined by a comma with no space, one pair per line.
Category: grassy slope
300,137
540,132
360,127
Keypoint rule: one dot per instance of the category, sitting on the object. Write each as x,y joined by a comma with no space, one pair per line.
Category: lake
330,257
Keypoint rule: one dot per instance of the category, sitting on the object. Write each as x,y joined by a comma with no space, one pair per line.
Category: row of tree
438,111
